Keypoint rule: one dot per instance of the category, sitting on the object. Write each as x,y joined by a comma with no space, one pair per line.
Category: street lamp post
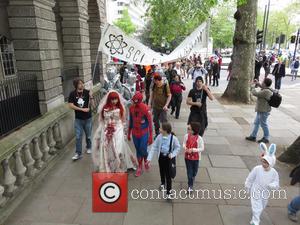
266,26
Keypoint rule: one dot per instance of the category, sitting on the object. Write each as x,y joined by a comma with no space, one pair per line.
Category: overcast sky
275,4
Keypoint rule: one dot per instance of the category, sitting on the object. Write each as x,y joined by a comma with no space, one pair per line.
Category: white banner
116,44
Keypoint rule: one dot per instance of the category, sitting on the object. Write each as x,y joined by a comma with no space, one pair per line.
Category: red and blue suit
140,127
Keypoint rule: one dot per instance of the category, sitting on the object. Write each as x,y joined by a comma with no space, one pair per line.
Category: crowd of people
160,93
276,65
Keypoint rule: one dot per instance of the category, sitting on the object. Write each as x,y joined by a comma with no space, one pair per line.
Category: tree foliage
173,20
223,24
280,22
125,23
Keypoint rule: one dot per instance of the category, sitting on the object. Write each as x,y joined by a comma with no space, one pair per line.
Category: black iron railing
19,102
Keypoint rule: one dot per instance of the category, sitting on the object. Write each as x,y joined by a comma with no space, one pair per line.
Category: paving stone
202,176
204,162
215,149
244,150
188,214
237,215
148,213
216,140
52,209
86,216
279,216
203,193
227,175
227,161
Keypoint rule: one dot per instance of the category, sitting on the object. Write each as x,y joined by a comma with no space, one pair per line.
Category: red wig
109,106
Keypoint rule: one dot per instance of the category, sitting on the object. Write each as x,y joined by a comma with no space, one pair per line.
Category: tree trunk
244,42
292,154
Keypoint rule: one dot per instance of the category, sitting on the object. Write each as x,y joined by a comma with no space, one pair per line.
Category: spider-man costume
140,126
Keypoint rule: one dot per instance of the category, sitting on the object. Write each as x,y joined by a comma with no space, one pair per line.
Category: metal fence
19,102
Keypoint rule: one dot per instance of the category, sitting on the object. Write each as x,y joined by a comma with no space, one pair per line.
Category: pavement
64,197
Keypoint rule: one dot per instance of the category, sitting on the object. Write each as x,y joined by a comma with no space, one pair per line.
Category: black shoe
177,117
172,112
250,138
264,140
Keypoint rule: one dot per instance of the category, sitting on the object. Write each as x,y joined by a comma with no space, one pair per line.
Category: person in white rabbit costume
261,181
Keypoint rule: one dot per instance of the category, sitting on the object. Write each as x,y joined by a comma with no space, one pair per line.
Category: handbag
172,165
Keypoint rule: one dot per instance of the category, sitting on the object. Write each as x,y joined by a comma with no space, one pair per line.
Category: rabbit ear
272,149
263,147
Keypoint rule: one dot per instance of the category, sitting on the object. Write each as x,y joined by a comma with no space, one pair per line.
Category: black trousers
164,170
200,117
216,80
159,116
176,104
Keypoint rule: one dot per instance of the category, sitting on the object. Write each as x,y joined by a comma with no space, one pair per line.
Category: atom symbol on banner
116,44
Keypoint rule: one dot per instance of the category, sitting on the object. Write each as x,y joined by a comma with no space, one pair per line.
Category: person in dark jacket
258,65
176,88
216,73
279,73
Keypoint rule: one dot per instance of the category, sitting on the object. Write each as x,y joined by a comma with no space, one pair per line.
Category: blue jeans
278,83
261,120
294,205
80,126
192,170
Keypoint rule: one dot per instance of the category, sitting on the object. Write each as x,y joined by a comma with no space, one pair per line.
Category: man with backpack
160,97
263,109
197,71
294,68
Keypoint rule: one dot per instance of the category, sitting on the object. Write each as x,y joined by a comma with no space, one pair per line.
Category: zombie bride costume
110,151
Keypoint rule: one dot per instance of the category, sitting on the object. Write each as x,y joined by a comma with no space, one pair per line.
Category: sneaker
250,138
161,187
190,189
264,140
76,157
168,198
293,217
89,151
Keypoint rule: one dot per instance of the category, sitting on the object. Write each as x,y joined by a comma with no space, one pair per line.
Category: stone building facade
47,37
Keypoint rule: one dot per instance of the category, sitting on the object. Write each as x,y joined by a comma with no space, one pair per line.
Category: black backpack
296,65
275,99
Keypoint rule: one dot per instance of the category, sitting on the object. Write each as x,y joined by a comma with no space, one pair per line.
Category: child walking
166,146
261,181
193,145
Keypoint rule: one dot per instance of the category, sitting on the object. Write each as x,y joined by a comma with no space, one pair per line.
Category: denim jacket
156,147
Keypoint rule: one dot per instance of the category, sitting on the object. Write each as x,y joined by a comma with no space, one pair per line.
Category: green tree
125,23
173,20
280,22
222,24
243,56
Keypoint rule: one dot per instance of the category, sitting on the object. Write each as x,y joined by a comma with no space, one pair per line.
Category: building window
120,3
120,12
7,56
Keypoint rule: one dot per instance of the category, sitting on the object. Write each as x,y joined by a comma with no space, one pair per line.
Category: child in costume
193,145
140,125
261,181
